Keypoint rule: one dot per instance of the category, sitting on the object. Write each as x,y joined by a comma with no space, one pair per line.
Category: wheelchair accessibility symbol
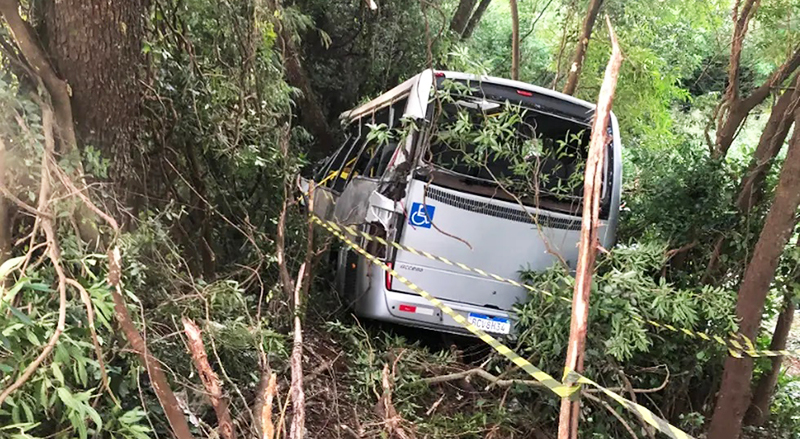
421,215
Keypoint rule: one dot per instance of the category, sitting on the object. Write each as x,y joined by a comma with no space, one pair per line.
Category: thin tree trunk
734,395
311,114
583,44
593,178
759,407
751,189
5,214
514,40
475,19
461,16
732,113
57,88
769,145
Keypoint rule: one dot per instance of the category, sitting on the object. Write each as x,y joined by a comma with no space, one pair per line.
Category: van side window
331,164
381,153
343,162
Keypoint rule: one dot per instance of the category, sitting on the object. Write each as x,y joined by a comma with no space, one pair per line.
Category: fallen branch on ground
166,397
392,420
53,253
209,378
267,428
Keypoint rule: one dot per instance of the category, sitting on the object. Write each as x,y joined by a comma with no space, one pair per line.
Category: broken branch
209,378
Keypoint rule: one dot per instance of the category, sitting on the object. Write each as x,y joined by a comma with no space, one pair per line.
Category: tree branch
37,59
53,252
209,378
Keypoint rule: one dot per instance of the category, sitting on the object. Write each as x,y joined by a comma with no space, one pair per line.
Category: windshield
528,153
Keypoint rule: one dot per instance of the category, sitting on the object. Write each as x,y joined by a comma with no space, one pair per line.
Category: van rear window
528,152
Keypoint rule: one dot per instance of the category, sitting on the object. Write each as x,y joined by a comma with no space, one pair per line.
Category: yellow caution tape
539,375
732,343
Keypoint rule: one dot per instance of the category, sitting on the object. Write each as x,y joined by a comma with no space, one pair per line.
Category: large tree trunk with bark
759,407
734,395
96,46
583,44
475,19
461,16
514,40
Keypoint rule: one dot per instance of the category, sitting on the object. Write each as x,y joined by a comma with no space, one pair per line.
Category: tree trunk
588,242
583,45
734,110
475,19
751,189
312,117
759,407
461,16
514,40
734,395
96,46
770,143
5,214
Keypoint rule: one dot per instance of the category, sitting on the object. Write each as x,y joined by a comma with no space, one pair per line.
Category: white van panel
500,237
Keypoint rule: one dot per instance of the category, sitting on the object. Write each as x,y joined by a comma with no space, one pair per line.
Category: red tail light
439,74
525,93
389,277
407,308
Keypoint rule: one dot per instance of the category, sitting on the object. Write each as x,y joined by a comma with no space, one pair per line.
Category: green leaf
56,368
95,417
40,287
20,315
10,265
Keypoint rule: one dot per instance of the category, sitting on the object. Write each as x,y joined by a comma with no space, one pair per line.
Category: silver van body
407,199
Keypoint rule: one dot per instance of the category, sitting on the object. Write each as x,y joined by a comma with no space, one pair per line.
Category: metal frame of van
504,239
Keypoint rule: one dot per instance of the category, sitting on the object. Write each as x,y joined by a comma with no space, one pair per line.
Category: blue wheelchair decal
421,215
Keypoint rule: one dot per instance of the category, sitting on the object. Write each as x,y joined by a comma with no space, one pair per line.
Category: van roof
405,87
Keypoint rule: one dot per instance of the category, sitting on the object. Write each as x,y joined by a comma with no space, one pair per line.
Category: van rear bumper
410,309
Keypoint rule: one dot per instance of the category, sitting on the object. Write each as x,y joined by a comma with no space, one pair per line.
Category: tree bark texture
514,40
473,22
96,46
580,50
461,16
734,395
769,145
593,179
759,407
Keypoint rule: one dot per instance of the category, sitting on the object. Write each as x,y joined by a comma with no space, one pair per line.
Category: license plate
497,325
